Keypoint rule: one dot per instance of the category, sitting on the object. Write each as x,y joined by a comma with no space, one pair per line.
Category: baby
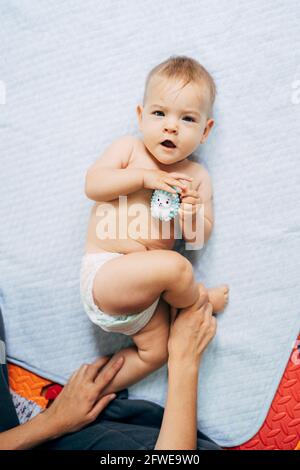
130,281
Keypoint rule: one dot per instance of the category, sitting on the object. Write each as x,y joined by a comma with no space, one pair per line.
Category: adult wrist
183,366
50,425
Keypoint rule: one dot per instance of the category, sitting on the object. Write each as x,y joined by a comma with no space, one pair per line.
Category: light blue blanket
71,75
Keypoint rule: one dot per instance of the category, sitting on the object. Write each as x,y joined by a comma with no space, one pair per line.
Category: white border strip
2,352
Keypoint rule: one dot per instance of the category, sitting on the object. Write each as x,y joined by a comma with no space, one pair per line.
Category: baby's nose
172,129
171,126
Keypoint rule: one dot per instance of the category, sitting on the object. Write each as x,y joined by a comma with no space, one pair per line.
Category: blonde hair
185,69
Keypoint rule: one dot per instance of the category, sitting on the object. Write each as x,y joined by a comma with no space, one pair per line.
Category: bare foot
218,297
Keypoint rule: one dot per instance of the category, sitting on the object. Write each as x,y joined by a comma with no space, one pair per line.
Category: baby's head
177,106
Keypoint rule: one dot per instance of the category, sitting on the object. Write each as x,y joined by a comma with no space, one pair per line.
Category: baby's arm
109,176
205,191
203,187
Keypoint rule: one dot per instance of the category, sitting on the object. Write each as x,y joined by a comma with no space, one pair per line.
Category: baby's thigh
129,284
152,340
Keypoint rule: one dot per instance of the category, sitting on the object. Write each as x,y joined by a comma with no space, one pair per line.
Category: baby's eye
189,117
167,202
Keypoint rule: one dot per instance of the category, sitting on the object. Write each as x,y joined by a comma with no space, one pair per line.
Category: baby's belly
125,225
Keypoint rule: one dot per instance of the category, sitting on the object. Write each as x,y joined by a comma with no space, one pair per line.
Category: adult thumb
173,314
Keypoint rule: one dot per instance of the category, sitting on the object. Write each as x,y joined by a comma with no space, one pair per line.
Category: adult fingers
204,325
92,370
195,317
213,324
173,314
203,299
207,315
210,332
204,315
72,378
80,373
100,405
105,376
199,306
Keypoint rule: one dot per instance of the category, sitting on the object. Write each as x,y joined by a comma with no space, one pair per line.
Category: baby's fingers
191,200
181,176
191,192
176,183
169,189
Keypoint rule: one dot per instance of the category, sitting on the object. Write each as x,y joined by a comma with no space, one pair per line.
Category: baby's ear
139,113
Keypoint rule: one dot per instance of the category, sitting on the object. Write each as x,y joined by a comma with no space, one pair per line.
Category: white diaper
126,324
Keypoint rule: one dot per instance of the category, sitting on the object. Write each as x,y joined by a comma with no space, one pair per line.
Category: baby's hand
158,179
190,201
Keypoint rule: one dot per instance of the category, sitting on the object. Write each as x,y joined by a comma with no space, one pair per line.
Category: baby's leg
151,350
149,354
131,283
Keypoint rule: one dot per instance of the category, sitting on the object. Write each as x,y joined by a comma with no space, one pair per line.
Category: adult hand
191,331
80,401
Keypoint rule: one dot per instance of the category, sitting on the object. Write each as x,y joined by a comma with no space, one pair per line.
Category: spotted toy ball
164,205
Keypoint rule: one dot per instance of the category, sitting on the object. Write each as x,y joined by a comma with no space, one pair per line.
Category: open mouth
169,144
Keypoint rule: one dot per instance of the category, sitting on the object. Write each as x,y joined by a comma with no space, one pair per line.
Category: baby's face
176,114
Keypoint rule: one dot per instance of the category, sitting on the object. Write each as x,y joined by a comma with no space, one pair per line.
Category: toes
225,289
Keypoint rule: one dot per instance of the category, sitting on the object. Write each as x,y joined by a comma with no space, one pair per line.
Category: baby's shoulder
139,146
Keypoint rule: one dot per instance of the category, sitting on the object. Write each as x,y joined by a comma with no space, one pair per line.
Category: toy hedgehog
164,205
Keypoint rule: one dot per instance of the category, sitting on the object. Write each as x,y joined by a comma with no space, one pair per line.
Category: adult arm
190,333
179,425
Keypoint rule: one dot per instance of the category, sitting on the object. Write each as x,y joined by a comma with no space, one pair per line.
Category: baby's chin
164,161
168,158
